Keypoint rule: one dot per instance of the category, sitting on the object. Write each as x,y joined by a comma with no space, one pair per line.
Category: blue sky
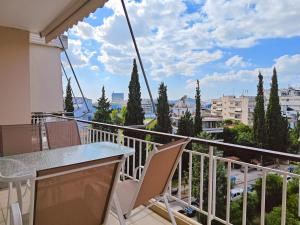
223,43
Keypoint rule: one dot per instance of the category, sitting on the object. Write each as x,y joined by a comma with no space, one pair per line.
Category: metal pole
64,72
67,56
138,55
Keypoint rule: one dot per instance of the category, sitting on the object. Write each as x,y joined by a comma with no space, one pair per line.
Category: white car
236,193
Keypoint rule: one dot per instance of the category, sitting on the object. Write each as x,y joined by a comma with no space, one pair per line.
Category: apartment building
83,109
289,99
148,108
182,105
117,98
236,108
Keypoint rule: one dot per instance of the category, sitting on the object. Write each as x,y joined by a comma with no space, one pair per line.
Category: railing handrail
222,145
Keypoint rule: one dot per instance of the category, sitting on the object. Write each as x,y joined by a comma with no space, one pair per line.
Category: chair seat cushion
125,192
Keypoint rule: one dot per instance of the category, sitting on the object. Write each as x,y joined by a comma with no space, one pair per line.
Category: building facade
148,108
117,98
183,105
80,109
289,99
235,108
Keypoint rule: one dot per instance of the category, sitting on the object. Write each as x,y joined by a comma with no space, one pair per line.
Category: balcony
147,217
195,185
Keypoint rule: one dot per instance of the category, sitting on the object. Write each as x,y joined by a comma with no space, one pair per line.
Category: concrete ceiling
31,15
47,17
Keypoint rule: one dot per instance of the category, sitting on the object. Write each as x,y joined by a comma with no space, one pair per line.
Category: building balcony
195,186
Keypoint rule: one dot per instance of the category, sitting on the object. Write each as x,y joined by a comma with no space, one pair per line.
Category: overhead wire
74,74
138,55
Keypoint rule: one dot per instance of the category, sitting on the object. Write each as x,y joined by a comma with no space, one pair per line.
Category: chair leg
119,210
169,210
9,201
19,194
15,214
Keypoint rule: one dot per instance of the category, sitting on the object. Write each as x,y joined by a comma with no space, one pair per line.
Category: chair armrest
15,214
136,170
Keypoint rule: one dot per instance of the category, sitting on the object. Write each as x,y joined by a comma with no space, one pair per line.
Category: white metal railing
208,163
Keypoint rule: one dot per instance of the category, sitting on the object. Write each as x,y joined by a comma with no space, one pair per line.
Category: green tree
221,182
294,138
102,114
116,117
163,123
186,125
259,129
275,124
198,118
123,114
240,134
185,128
236,210
135,114
274,217
273,190
69,107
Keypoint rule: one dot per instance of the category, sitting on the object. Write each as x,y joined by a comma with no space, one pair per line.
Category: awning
70,16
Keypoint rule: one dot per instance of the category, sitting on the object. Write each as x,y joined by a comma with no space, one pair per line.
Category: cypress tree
163,114
163,111
198,119
276,128
135,114
259,128
185,125
102,114
69,107
186,128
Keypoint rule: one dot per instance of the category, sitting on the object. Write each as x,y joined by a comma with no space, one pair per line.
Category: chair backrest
158,171
62,134
82,195
18,139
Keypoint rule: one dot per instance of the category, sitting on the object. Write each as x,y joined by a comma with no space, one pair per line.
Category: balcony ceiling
47,17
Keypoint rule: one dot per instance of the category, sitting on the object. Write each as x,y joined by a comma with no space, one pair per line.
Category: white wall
45,79
14,77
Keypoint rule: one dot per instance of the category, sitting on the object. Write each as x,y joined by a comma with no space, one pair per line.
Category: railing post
210,184
283,206
119,137
299,198
263,198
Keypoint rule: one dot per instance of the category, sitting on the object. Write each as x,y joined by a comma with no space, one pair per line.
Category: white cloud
236,61
85,31
288,69
173,41
242,23
80,56
169,45
94,68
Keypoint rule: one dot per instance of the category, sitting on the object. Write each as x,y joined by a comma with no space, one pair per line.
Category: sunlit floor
146,217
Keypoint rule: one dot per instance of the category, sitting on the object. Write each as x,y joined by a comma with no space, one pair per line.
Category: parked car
249,169
289,178
189,211
174,191
233,179
236,193
291,169
250,188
